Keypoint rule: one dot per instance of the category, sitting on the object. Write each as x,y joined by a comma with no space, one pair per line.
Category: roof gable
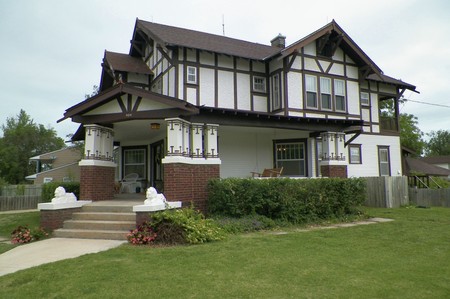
127,100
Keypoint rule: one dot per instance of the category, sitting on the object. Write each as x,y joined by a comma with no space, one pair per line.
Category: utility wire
426,103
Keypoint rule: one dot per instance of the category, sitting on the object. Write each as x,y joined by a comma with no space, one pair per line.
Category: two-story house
185,106
60,166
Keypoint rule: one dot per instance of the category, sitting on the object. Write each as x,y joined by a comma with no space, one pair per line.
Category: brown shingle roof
437,159
418,166
170,35
126,63
390,80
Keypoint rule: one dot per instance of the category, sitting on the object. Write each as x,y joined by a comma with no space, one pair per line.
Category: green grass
407,258
8,222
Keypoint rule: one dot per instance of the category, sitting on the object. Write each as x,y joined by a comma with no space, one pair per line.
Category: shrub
295,201
23,234
184,226
48,189
142,235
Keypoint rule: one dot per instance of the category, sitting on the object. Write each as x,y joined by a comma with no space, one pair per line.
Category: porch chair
129,183
268,173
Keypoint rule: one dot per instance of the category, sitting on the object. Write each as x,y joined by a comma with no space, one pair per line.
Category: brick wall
96,183
187,183
54,219
336,171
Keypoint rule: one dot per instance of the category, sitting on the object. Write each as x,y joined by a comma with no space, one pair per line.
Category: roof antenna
223,25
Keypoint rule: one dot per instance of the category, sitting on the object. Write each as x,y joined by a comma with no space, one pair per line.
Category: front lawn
10,221
406,258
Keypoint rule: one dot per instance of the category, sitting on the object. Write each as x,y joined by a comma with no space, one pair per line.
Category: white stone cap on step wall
60,206
158,207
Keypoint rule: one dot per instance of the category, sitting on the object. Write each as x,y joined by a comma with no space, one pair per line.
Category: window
325,93
192,75
134,161
276,103
311,91
354,153
259,84
365,98
384,161
339,93
291,156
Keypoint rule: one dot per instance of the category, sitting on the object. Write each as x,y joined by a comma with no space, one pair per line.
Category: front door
156,156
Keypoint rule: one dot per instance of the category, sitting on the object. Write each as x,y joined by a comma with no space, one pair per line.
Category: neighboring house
185,106
60,166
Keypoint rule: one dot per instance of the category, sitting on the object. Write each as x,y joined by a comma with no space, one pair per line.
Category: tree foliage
23,139
439,143
410,134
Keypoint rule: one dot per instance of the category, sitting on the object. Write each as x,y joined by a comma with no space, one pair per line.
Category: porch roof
177,106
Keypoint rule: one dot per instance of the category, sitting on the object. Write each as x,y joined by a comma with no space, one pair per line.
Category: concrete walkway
50,250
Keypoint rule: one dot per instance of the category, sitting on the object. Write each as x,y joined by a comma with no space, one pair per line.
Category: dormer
122,68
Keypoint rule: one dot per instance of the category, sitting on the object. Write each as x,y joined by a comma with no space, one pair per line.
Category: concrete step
99,225
91,234
107,208
104,216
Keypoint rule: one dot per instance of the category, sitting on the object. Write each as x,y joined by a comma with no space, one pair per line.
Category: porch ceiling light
155,126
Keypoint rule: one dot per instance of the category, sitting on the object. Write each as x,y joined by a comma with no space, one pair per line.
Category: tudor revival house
185,106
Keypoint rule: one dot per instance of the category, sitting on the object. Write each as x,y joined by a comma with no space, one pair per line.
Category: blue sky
51,50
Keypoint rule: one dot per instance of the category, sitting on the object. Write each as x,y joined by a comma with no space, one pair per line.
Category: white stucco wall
207,89
295,90
369,153
243,150
243,91
226,89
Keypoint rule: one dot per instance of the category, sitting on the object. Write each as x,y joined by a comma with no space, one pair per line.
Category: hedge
48,189
292,200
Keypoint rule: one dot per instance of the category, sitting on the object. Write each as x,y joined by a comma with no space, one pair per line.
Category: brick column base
54,219
188,183
96,183
334,171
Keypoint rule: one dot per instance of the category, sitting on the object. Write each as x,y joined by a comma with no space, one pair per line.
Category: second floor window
192,75
325,93
259,84
365,98
311,91
276,101
339,94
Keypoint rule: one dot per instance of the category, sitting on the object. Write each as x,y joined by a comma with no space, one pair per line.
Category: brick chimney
279,41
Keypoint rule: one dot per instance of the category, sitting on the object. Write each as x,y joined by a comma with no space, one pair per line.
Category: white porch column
211,142
177,137
197,140
99,142
334,160
333,146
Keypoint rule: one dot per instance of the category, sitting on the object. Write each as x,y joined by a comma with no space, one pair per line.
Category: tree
439,143
23,139
410,134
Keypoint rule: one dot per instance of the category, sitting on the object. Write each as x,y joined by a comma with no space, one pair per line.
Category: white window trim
188,74
303,160
326,93
356,146
341,95
312,91
276,92
361,98
256,85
